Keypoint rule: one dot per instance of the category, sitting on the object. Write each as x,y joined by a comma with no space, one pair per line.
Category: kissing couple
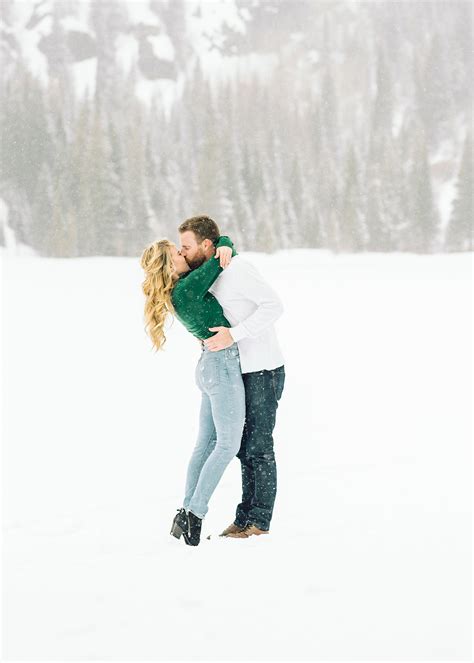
222,300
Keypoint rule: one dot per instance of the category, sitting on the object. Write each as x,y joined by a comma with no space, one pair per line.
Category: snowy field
369,552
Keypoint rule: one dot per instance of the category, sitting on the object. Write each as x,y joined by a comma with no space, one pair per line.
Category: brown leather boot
248,530
232,529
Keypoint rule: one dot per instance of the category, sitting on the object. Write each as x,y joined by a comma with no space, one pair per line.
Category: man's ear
207,245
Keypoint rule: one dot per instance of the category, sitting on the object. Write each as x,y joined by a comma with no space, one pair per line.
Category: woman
171,287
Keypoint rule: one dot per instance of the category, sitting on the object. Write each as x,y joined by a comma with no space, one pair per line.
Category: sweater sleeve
198,282
223,240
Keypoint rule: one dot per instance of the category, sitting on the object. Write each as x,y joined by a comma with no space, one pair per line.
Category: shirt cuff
238,332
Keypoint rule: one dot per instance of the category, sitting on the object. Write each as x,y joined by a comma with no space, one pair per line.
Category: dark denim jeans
263,390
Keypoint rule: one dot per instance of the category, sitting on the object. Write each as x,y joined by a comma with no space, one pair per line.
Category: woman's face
179,261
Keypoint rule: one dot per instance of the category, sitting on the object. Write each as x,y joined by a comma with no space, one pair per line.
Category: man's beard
197,261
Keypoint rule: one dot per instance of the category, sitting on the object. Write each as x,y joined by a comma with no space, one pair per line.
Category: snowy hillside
369,553
340,126
155,37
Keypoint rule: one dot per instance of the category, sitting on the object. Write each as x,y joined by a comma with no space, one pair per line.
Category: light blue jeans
221,424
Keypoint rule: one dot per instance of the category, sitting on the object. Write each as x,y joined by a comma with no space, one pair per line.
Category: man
251,306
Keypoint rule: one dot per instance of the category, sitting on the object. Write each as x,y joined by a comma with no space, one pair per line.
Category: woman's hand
224,254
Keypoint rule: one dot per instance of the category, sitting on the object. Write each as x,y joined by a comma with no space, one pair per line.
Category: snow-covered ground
369,552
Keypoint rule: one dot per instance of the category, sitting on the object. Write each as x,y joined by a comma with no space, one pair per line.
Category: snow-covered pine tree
460,228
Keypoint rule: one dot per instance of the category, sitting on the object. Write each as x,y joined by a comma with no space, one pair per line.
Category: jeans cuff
265,528
196,514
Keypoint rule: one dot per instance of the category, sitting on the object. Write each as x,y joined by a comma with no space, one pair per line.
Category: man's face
194,252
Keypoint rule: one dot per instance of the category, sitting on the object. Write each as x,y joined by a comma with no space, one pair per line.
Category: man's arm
252,286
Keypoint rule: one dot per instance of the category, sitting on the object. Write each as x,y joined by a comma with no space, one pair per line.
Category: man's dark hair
202,226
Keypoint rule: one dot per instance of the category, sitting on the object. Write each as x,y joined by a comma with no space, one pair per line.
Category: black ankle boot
193,535
180,523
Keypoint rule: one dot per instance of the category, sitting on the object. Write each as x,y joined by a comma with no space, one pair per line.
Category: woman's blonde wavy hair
158,265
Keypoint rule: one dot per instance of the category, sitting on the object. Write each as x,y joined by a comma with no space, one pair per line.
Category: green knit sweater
194,305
